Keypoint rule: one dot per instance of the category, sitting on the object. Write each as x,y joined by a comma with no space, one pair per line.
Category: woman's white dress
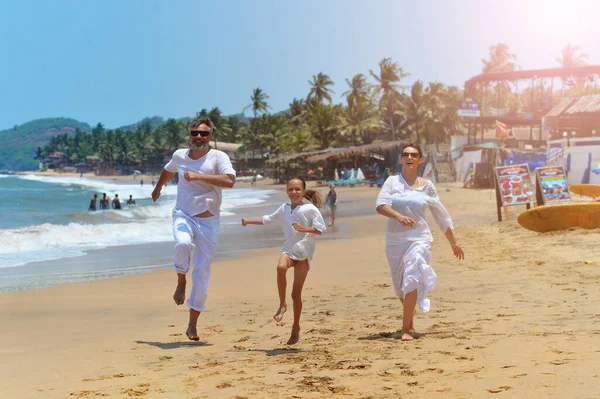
408,248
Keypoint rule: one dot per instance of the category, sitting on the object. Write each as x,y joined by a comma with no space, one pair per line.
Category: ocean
44,219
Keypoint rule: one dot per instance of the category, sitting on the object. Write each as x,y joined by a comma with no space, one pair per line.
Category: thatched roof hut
300,156
361,150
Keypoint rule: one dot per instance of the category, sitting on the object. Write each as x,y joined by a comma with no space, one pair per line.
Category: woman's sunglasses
410,155
202,133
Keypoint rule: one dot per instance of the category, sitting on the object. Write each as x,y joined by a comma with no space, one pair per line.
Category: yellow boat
561,217
588,190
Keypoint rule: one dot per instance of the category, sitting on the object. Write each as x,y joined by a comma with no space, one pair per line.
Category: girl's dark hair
311,195
413,145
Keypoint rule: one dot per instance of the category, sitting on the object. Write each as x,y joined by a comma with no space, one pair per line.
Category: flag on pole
501,130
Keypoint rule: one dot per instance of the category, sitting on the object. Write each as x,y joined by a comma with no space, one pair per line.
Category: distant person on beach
403,199
301,223
141,182
130,201
104,202
204,172
153,182
116,202
331,204
92,206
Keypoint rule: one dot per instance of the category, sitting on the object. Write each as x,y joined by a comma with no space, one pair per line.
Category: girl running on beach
300,222
403,200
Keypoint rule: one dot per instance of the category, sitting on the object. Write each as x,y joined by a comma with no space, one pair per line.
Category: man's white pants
195,242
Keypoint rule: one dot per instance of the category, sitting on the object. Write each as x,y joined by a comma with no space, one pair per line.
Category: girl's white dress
299,246
408,248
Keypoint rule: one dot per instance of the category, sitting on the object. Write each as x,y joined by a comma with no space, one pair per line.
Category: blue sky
117,61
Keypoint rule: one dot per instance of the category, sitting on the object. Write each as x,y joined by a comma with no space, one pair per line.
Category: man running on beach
203,172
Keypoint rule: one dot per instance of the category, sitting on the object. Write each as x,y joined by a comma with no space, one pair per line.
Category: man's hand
244,222
155,193
190,176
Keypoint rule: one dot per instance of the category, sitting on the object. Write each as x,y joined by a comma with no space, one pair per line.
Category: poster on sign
551,185
514,185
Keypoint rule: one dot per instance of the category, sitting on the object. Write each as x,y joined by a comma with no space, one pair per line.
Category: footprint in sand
135,392
225,385
499,389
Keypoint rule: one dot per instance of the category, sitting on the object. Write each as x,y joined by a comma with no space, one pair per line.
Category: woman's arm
387,211
458,252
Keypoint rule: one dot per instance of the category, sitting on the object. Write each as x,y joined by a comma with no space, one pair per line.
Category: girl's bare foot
406,336
295,336
179,295
279,315
192,334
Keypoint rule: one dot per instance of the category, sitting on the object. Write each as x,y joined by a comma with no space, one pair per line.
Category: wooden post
498,198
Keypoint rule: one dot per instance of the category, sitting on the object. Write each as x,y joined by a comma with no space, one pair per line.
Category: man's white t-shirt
195,197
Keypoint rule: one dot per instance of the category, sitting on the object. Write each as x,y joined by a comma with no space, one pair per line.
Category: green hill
18,145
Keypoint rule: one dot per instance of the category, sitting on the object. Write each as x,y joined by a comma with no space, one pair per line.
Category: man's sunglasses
202,133
410,155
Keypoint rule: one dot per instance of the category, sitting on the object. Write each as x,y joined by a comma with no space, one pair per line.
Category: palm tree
572,56
358,88
175,134
390,74
319,88
259,102
323,123
500,60
414,107
358,118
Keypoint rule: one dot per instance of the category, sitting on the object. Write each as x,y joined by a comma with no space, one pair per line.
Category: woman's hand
458,252
405,220
244,222
298,227
190,176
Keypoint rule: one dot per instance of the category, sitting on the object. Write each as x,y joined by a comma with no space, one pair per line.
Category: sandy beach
519,317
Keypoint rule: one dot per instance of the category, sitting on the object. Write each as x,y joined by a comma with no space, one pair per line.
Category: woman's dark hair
311,195
413,145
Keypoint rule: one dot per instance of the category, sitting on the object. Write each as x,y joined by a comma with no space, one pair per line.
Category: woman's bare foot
179,295
406,336
295,336
192,334
279,315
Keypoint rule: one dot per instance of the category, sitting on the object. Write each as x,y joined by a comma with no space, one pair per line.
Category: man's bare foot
279,315
192,334
179,295
295,336
406,336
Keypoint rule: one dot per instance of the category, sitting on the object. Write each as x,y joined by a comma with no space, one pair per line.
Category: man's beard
198,146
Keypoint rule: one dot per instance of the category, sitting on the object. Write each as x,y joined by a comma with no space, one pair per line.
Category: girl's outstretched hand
458,252
298,227
244,222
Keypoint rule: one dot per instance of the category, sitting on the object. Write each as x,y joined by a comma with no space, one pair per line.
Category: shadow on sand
386,335
173,345
272,352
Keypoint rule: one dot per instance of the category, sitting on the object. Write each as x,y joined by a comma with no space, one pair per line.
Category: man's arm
165,176
224,181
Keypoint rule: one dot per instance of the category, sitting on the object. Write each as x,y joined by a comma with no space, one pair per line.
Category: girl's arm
303,229
247,221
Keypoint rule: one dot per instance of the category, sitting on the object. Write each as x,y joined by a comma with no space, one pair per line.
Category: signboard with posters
468,108
552,185
513,187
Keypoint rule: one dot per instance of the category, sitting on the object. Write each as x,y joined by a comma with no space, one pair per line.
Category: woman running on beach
331,204
403,200
300,223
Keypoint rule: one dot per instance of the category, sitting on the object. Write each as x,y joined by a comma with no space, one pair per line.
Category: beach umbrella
360,175
336,175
